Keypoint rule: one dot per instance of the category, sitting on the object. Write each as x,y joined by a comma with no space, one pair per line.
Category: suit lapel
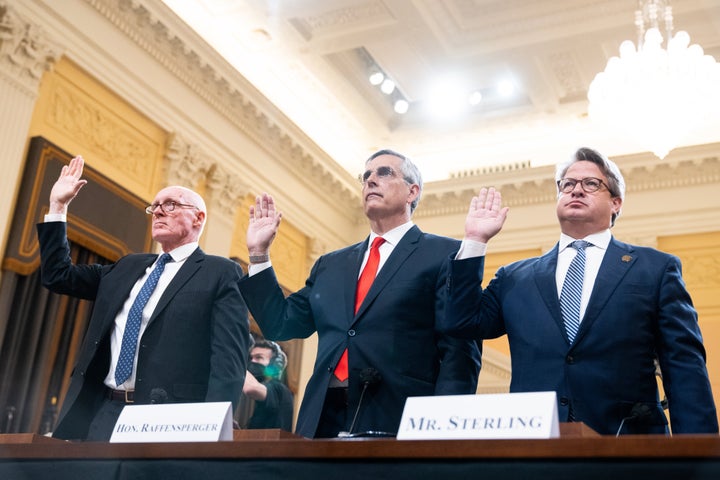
399,255
351,274
186,272
617,261
130,276
546,284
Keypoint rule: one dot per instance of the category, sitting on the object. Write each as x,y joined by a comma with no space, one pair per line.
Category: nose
372,179
578,188
158,210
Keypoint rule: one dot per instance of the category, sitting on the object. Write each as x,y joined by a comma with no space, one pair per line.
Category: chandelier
656,94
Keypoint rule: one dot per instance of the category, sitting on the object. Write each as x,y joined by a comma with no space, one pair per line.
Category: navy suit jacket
194,347
394,331
639,309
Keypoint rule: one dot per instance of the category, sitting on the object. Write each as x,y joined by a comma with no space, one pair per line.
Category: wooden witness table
271,454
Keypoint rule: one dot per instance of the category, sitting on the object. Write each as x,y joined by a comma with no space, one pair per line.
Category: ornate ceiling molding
208,75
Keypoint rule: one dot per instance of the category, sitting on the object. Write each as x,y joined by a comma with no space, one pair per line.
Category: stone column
25,54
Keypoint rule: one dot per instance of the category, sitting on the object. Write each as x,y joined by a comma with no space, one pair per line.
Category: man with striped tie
169,328
590,318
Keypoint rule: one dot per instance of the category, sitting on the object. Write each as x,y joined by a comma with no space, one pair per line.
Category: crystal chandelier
656,94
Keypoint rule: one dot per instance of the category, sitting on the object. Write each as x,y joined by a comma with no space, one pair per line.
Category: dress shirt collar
393,236
600,239
182,252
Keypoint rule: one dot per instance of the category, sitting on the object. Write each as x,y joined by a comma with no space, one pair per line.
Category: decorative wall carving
186,165
226,191
84,119
26,52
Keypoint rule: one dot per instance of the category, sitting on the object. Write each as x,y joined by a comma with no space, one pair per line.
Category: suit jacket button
564,401
570,359
351,333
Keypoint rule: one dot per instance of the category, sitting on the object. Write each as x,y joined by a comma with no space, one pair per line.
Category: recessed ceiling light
401,106
387,86
376,78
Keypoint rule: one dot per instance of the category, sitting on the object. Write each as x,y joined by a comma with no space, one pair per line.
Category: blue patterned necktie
571,293
132,327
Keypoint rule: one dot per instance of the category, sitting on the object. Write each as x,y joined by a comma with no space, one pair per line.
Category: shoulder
644,253
526,264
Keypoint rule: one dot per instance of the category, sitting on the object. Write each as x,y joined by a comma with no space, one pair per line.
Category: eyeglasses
381,172
589,184
167,206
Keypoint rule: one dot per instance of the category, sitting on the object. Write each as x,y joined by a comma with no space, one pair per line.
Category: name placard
489,416
174,422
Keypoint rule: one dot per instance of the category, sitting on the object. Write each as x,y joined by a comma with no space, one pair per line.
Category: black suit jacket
394,331
195,344
639,310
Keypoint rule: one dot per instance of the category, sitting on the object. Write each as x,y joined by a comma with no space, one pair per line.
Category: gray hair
410,172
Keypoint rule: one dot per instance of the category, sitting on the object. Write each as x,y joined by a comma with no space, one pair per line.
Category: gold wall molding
99,130
82,116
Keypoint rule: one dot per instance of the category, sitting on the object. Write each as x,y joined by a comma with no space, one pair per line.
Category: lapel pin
626,258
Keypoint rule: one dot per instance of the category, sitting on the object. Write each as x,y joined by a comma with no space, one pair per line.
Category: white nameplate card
174,422
489,416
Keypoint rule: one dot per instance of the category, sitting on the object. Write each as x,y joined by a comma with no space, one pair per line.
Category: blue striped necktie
132,327
571,293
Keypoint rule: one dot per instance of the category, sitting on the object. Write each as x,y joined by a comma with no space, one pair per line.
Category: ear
199,219
414,192
617,204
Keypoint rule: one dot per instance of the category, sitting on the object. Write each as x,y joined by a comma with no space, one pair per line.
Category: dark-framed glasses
380,172
167,206
588,184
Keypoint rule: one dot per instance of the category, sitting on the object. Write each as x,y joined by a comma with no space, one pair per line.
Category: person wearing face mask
264,384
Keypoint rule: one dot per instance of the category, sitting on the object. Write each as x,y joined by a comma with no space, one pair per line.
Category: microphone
158,395
639,411
368,376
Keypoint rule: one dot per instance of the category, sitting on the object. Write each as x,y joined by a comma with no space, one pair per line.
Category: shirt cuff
255,268
471,249
55,217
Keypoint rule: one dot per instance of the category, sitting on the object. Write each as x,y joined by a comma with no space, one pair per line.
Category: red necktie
363,286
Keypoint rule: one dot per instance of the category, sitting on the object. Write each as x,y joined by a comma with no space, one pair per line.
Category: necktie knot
376,243
580,244
164,258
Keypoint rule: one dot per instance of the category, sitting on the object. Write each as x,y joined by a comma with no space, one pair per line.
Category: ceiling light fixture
387,86
475,98
656,94
401,106
376,78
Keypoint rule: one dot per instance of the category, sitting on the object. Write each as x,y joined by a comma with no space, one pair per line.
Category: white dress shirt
593,258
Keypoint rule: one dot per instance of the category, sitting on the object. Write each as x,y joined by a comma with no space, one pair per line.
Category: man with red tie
374,305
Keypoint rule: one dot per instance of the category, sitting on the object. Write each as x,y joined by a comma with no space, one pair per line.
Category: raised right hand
263,226
67,185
